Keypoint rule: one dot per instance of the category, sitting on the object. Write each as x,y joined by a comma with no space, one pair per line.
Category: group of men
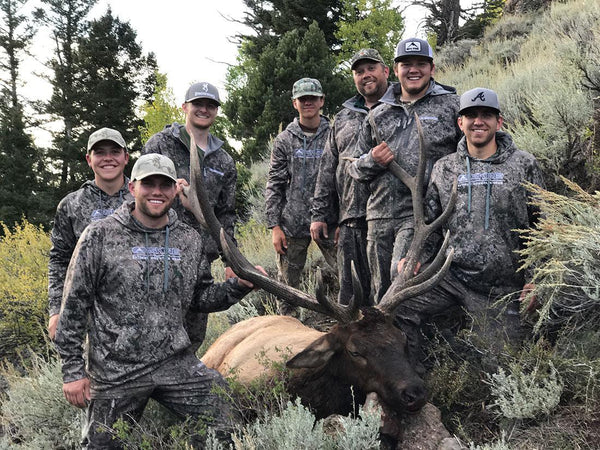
138,283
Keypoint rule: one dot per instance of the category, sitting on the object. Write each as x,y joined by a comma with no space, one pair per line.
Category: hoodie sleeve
77,302
63,243
277,182
210,296
365,169
225,206
324,204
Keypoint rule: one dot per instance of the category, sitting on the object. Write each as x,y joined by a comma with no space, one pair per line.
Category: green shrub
23,289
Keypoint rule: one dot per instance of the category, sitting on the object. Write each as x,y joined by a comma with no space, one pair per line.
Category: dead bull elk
364,353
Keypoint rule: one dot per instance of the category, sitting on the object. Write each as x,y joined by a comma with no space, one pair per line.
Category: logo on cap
412,46
480,96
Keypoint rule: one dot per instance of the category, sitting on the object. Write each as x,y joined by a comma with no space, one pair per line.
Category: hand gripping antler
204,213
406,284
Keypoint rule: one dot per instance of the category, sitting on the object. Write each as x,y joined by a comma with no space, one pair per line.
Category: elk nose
414,397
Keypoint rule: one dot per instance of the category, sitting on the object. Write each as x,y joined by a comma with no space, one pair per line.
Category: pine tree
18,155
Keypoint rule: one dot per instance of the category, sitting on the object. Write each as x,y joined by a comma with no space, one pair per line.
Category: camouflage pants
290,265
381,234
352,246
183,384
493,326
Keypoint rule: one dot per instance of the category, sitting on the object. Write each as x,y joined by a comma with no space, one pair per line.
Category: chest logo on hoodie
313,153
481,178
98,214
155,253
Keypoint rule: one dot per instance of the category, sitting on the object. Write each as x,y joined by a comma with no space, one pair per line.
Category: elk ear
315,355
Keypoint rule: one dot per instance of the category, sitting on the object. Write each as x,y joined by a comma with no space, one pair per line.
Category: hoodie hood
395,90
104,204
294,128
179,132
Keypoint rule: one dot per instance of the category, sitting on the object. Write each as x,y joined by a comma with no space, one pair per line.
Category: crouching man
131,281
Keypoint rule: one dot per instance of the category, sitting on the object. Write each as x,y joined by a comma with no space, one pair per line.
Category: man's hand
318,229
77,392
533,303
52,324
401,266
382,154
248,284
279,240
182,190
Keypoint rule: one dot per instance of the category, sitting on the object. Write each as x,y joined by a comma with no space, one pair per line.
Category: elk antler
406,284
204,213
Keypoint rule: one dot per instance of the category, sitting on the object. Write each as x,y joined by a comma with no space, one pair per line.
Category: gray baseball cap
105,134
479,97
413,47
307,86
365,53
153,164
202,90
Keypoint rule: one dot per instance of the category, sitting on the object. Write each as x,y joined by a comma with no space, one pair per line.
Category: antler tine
406,284
203,211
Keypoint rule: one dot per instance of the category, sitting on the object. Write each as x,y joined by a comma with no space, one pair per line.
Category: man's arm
63,242
324,201
373,158
275,194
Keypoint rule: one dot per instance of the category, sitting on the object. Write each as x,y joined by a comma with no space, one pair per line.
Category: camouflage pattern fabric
390,200
183,384
220,176
352,247
136,285
75,212
484,256
485,263
292,176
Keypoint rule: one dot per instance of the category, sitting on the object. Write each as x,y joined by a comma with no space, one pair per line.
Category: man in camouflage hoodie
107,156
132,279
337,194
389,208
492,204
201,106
291,181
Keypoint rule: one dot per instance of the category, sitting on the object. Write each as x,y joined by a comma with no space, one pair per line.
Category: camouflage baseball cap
365,53
307,86
479,97
413,47
202,90
153,164
105,134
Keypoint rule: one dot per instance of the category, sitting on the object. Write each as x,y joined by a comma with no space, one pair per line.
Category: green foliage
34,411
369,24
160,110
526,395
23,288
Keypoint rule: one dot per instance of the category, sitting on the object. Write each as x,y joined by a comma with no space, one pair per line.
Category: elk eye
354,354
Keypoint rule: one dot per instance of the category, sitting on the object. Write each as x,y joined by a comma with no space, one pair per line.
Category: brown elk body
364,351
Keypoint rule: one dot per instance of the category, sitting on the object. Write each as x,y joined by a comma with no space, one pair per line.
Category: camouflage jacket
491,205
438,113
292,176
220,176
337,195
74,213
129,287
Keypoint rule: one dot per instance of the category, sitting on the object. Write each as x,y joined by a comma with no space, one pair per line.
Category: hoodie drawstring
488,193
166,262
147,264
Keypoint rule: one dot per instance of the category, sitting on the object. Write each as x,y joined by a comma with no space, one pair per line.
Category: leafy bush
23,289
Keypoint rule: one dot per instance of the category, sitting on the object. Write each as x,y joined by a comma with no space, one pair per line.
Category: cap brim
364,59
306,94
146,175
201,96
464,110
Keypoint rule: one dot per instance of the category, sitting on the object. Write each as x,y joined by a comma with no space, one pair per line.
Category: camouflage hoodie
220,176
491,205
136,284
438,113
337,195
74,212
292,176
